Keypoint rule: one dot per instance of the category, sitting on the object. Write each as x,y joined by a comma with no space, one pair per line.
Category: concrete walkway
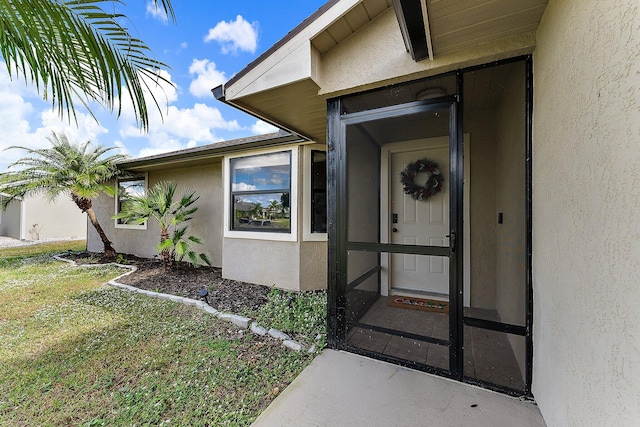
344,389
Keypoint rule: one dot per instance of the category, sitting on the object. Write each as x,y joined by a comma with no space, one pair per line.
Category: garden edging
240,321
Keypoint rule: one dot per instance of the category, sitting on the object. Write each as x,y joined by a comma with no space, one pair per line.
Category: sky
210,42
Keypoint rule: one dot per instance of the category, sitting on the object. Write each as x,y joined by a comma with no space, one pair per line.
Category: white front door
419,222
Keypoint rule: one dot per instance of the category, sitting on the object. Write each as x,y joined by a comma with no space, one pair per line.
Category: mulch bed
186,281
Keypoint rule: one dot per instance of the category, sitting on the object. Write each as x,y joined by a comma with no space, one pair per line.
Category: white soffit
281,87
461,24
290,60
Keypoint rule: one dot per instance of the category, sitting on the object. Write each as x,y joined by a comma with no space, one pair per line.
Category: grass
75,352
301,314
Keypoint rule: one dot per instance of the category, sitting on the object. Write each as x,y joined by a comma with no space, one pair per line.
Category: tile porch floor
488,355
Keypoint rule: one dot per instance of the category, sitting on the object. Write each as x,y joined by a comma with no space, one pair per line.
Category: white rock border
240,321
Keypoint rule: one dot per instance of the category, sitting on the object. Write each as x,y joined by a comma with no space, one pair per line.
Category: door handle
395,230
452,241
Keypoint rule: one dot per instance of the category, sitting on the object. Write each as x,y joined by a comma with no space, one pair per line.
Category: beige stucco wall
206,180
264,262
58,219
586,222
376,56
10,222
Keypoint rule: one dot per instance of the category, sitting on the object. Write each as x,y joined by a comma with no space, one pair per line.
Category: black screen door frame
338,243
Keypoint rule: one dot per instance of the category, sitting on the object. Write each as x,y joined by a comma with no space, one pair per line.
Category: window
261,193
128,187
318,191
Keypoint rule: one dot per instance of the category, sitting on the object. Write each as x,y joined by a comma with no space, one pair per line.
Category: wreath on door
431,187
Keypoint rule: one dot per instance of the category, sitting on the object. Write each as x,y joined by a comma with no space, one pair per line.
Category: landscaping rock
210,310
257,329
241,321
279,334
293,345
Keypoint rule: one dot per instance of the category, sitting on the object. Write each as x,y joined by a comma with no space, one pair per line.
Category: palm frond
76,51
64,168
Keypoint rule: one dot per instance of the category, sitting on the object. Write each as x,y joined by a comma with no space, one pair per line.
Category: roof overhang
208,154
349,46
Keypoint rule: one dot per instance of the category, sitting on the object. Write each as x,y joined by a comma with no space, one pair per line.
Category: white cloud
207,77
261,127
235,35
156,12
25,120
243,186
122,148
176,128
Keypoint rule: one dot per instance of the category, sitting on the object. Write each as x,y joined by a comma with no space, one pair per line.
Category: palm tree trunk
168,257
109,253
86,205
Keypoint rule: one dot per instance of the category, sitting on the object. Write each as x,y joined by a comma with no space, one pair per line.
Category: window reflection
260,192
128,188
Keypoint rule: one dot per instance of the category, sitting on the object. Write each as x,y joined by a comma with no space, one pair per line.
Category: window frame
292,234
142,226
307,195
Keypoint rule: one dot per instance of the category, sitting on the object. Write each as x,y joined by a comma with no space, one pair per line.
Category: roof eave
212,151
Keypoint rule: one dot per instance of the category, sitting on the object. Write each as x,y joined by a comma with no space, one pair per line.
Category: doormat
420,304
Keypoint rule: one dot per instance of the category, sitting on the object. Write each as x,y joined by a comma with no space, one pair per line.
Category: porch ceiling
296,105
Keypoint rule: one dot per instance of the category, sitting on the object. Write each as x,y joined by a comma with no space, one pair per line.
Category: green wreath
431,187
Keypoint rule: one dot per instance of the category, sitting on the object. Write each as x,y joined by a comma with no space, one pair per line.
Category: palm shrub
77,170
172,216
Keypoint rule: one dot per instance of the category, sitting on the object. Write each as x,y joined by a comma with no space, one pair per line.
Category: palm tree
77,50
80,171
273,208
158,205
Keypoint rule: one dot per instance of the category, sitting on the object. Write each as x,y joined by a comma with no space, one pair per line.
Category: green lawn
76,352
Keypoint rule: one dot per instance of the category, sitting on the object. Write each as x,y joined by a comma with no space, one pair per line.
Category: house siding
36,218
59,219
586,199
10,225
206,180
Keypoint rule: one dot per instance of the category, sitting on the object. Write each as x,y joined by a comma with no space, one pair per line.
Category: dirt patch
186,281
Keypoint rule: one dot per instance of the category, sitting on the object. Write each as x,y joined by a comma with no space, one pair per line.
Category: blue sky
211,41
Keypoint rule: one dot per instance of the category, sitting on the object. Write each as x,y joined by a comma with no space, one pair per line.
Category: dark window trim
118,223
313,191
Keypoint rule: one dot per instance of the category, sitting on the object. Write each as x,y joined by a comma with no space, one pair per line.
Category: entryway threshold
345,389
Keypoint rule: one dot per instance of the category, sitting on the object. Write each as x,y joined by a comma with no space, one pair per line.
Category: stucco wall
59,219
10,224
586,199
376,55
264,262
206,224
